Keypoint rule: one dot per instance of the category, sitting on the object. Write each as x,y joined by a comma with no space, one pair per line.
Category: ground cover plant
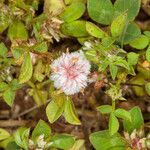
75,74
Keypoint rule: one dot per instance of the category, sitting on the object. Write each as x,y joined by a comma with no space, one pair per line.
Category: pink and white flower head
70,72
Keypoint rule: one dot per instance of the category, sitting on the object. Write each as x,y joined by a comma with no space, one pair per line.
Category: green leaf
3,50
94,30
147,33
113,71
62,141
139,80
40,96
12,146
132,58
136,120
42,128
18,52
100,11
3,134
26,69
3,86
9,96
4,18
41,47
21,137
118,25
102,140
39,71
121,62
148,54
131,33
140,43
70,113
131,7
147,88
113,124
105,109
75,29
53,111
17,31
123,114
15,85
73,12
79,145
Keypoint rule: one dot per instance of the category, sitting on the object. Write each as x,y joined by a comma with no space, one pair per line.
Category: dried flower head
70,72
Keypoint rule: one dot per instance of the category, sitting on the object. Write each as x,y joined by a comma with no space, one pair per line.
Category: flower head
70,72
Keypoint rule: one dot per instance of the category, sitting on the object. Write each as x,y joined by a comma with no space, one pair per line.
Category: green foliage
123,114
26,69
132,58
113,124
93,30
147,88
28,47
21,137
136,120
3,50
17,31
118,25
105,109
9,96
62,141
132,32
3,134
75,28
102,140
148,54
132,8
70,113
54,111
42,128
100,11
73,12
140,42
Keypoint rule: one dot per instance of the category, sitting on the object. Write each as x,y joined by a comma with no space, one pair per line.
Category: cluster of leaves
40,138
31,34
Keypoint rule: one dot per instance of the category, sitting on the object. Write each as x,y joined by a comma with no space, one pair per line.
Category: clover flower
70,72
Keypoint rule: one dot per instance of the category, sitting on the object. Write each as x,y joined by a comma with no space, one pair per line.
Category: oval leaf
140,43
9,96
17,31
26,69
131,7
100,11
136,120
105,109
113,124
102,140
70,113
53,111
73,12
75,28
62,141
131,33
42,128
94,30
118,25
123,114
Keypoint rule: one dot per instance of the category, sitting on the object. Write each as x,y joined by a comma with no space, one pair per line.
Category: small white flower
70,72
40,141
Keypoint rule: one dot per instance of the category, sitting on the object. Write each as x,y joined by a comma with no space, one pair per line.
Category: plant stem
113,105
